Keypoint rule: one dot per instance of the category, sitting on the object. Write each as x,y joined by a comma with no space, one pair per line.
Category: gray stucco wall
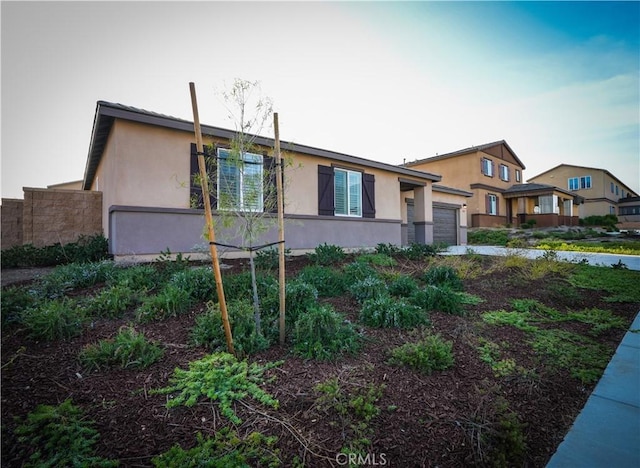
141,231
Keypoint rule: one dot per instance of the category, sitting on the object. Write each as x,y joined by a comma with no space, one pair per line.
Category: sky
386,81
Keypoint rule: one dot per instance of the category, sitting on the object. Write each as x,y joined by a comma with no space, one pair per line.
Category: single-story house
545,204
144,164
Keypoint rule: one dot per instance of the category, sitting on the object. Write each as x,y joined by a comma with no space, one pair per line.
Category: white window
492,205
504,172
240,181
517,175
568,208
612,210
347,192
487,167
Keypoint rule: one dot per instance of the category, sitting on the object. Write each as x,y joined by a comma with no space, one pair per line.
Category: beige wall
60,216
11,216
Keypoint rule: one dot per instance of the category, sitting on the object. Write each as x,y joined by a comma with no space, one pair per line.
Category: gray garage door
444,226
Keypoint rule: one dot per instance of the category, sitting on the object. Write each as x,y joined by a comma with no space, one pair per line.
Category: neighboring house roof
583,167
524,190
472,149
107,112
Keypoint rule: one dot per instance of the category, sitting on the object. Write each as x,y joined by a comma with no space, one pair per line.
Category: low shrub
222,378
357,271
300,297
442,299
269,259
170,301
138,278
59,436
199,283
488,237
386,311
112,302
428,355
368,288
127,349
327,254
322,333
86,249
54,319
15,300
377,259
443,275
225,449
402,286
328,281
209,331
419,251
66,278
390,250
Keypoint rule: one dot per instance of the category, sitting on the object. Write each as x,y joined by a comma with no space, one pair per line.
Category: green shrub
300,297
269,259
442,299
127,349
86,249
170,301
488,237
387,312
443,275
377,259
326,254
138,278
59,436
238,286
199,283
169,264
15,300
402,286
602,221
368,288
419,251
208,330
54,319
112,302
66,278
328,281
428,355
357,271
390,250
322,333
219,377
224,449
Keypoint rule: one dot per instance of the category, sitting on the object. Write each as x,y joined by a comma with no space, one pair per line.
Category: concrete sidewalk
606,433
631,261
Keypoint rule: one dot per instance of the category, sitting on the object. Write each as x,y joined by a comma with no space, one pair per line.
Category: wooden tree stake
281,249
209,219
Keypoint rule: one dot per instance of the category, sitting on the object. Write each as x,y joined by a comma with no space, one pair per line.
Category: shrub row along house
144,166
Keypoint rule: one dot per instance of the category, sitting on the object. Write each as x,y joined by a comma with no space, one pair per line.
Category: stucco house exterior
143,163
601,190
486,171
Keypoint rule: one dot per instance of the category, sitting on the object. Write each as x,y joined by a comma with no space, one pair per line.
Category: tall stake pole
280,196
209,218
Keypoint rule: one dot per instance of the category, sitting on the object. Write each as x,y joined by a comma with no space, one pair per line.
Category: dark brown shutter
269,191
493,169
487,204
195,190
497,206
368,196
482,166
325,191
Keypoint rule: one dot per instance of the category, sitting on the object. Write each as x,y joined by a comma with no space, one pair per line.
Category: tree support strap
248,249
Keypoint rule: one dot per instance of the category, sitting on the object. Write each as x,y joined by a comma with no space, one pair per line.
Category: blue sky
388,81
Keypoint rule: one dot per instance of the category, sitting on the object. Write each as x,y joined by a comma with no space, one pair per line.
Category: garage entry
445,225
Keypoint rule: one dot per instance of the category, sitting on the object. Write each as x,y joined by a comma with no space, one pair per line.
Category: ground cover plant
420,360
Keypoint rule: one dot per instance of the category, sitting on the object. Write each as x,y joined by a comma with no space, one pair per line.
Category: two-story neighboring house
603,193
487,171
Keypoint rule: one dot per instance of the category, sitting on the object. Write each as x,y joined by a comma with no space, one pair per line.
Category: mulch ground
447,419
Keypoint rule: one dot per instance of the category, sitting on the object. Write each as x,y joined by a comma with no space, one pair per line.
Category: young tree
246,189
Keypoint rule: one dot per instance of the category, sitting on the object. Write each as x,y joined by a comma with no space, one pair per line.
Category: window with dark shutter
195,183
325,191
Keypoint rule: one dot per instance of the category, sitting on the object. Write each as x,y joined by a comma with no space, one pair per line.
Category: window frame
348,193
492,203
250,160
517,175
506,176
486,167
573,183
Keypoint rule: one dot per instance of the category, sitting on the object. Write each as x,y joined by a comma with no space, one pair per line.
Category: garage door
445,227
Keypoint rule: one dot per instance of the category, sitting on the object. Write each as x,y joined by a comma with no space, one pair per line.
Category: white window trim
493,203
489,167
504,168
348,195
241,203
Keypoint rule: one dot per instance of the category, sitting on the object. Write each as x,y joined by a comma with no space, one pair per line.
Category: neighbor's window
487,167
611,187
617,190
347,187
240,181
492,204
585,182
504,172
574,183
517,175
